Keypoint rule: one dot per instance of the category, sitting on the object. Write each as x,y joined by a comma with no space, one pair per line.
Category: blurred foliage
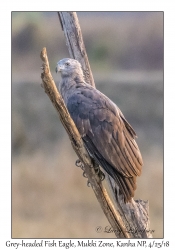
125,49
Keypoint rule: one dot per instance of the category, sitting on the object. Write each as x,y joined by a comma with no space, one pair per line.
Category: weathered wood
74,41
135,214
78,146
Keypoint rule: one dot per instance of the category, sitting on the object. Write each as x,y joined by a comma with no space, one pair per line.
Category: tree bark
74,41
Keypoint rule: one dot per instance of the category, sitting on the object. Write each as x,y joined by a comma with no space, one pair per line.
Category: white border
5,95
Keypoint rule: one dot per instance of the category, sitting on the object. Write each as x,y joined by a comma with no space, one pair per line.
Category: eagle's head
68,67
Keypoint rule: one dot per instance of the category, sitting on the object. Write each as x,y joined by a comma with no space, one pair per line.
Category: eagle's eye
67,64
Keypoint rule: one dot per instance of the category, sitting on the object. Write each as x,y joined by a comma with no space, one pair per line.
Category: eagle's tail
127,186
121,185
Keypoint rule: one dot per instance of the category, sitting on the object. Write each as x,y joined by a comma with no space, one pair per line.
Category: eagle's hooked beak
58,68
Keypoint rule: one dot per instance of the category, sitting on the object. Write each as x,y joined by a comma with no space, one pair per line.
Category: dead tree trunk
74,41
129,220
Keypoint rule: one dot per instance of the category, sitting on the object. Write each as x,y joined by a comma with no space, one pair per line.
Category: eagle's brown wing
107,135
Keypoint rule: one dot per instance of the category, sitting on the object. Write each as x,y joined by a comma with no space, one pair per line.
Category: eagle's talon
84,175
102,176
79,164
97,170
88,183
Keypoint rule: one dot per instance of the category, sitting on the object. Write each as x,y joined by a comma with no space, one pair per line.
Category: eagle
107,136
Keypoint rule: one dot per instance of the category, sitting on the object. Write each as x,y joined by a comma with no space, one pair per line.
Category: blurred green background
50,198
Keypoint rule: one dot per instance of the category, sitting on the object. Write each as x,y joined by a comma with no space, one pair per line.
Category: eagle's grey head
69,67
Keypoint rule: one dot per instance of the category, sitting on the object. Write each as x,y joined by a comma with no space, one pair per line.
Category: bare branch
74,40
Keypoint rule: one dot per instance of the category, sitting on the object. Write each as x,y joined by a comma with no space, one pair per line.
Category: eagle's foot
96,168
101,175
79,164
98,172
